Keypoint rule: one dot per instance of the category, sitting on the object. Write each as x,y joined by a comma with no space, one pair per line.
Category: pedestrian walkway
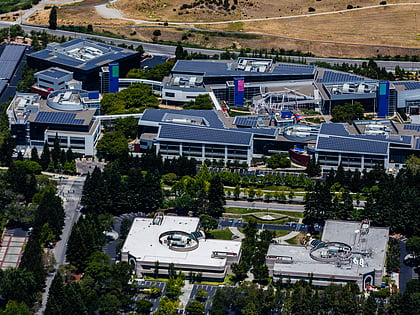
282,239
236,232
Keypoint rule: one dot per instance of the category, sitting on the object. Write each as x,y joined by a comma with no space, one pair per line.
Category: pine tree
55,297
45,156
34,155
52,21
216,197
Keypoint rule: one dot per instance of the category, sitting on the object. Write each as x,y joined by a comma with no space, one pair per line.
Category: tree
179,52
278,160
113,145
201,295
143,306
207,222
195,308
16,308
52,21
55,296
216,197
128,126
202,101
347,112
413,245
157,33
45,156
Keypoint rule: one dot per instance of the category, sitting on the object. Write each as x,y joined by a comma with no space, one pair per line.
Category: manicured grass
237,210
247,218
294,240
280,233
225,234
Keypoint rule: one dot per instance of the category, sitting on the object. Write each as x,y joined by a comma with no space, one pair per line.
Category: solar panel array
412,127
3,84
332,143
203,134
9,59
246,121
58,118
409,85
331,76
333,129
293,69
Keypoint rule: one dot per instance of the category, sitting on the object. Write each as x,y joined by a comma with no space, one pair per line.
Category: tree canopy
133,99
347,112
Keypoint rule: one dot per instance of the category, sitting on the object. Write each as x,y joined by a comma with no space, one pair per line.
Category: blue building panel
239,92
383,99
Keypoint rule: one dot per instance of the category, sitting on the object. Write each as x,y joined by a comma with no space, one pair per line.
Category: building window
169,94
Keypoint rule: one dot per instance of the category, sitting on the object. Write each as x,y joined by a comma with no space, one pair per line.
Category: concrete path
282,239
185,296
236,232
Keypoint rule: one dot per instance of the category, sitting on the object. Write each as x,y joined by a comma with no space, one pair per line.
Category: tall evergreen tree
216,197
52,20
56,297
34,155
45,156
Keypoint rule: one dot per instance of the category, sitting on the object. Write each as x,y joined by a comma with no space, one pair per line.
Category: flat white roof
143,243
375,242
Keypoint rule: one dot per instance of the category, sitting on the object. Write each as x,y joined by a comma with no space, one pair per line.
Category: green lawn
294,240
247,218
280,233
237,210
225,234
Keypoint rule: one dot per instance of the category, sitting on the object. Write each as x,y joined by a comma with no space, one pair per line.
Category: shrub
311,9
382,3
349,7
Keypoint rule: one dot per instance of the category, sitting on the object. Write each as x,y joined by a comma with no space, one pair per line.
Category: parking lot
149,284
210,289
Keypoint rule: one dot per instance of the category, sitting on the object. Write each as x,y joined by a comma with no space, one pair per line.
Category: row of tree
392,201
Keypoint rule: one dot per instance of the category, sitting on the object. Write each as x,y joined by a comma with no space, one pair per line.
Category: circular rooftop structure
181,241
71,100
330,251
301,132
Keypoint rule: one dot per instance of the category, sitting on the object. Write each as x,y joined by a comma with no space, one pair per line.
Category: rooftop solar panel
332,76
59,118
7,68
247,121
409,85
341,144
333,129
293,69
203,134
3,84
12,52
412,127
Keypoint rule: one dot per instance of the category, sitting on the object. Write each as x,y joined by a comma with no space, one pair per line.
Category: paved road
406,272
169,51
265,205
70,190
